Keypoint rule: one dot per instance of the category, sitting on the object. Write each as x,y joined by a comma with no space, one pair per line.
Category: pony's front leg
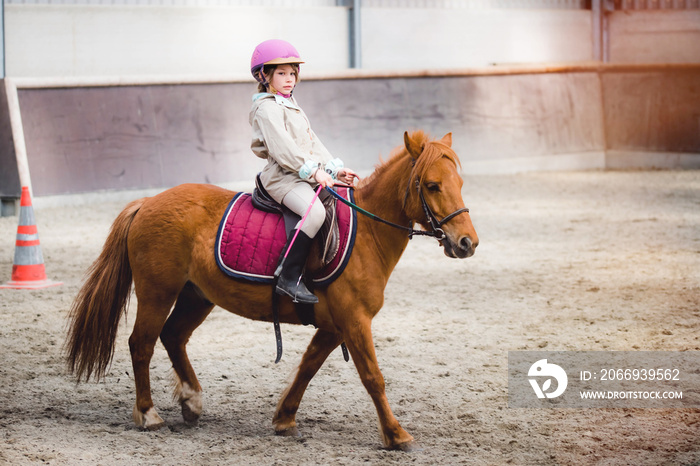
358,338
322,344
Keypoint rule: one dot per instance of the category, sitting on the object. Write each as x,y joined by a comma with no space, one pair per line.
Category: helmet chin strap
260,77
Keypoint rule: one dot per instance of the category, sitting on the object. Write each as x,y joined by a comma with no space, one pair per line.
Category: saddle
251,238
254,230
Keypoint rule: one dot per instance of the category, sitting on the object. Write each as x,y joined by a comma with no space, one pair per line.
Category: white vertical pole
18,134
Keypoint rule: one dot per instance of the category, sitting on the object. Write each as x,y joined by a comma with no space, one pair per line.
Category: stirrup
299,295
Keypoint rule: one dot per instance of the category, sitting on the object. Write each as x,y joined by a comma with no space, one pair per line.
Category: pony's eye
432,187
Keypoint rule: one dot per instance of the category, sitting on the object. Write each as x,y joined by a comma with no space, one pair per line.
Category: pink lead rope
318,191
275,311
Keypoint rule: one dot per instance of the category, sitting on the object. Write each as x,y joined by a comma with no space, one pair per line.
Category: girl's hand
347,176
323,178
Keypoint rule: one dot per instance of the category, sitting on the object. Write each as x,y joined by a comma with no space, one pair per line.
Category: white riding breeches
297,200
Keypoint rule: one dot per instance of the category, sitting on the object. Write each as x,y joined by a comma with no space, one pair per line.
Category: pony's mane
432,151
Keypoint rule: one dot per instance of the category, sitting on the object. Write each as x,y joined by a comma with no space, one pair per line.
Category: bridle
435,224
437,232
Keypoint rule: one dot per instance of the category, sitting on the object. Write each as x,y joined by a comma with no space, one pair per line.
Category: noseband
435,224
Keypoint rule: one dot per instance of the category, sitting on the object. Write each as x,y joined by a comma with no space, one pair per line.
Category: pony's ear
412,146
447,139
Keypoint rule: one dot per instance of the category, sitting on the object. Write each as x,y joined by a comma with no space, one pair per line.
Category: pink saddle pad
250,241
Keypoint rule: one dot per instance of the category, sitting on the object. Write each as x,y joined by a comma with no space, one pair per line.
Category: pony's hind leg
322,344
191,308
152,311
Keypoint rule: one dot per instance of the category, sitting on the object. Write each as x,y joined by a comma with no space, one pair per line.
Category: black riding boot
289,282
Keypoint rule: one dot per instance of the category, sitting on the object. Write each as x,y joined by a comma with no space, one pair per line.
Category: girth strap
278,330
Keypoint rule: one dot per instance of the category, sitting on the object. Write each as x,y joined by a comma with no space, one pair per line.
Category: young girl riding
297,161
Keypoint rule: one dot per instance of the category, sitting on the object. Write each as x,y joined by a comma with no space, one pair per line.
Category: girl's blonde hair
267,72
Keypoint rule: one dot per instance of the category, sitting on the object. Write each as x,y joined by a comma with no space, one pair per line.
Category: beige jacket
282,134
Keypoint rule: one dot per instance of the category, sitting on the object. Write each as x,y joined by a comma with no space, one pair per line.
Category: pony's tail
101,302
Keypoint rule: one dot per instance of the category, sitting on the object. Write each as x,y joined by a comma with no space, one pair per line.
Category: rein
437,233
435,224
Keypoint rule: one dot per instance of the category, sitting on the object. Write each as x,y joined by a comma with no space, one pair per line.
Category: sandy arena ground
567,261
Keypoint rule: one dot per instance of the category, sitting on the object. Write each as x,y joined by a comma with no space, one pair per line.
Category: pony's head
435,189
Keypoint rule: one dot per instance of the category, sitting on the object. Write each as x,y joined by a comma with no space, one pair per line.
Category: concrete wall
652,119
499,122
86,139
97,138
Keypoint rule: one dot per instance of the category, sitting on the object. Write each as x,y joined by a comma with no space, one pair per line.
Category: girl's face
283,79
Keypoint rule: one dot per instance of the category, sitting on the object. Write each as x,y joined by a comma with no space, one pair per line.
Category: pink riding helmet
273,52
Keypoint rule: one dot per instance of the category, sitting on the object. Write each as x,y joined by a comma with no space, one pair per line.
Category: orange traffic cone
28,267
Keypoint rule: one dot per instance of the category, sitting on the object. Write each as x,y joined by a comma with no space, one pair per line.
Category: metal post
608,8
355,38
597,29
600,29
2,39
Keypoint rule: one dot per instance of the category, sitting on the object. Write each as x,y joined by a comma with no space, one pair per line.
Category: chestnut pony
165,245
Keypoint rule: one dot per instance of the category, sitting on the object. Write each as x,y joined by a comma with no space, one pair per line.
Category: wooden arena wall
68,137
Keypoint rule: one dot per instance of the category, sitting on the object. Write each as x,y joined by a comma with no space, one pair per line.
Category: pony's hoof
190,402
154,427
288,432
189,416
150,420
408,447
191,410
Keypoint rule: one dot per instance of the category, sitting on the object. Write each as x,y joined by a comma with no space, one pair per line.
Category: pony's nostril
465,243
